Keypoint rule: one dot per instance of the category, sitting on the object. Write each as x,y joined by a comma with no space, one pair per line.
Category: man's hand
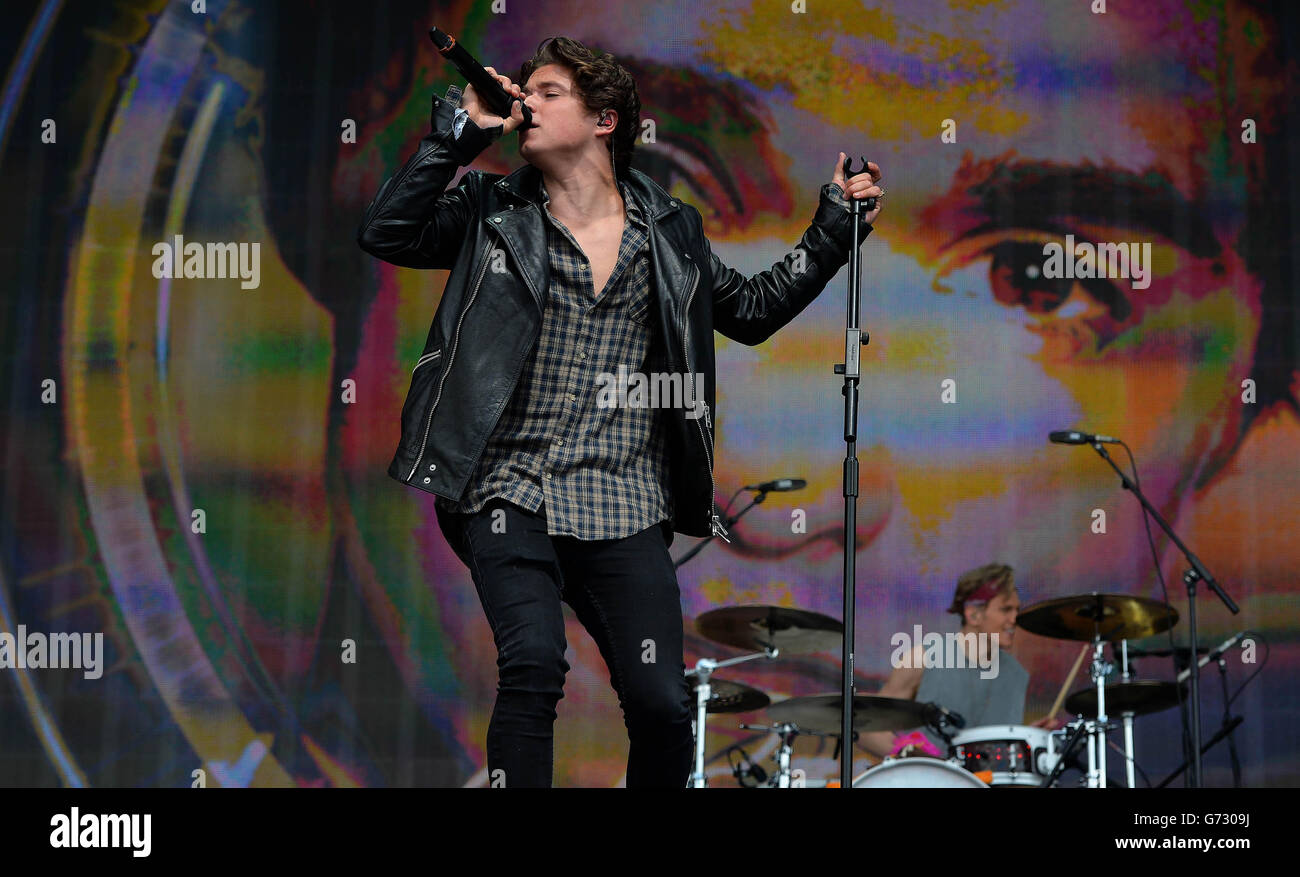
481,116
863,185
1048,723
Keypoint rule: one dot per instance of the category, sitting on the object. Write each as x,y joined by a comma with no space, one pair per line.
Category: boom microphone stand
1197,573
854,339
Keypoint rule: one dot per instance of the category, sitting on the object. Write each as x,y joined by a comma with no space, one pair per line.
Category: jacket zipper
715,524
428,357
451,357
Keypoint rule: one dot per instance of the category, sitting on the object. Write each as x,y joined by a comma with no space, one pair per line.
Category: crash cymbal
823,713
731,697
1109,616
1137,697
793,631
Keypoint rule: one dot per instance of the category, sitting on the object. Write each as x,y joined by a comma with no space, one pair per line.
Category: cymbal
1137,697
793,631
731,697
823,713
1108,616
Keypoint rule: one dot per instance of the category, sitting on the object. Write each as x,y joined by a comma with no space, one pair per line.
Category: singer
567,267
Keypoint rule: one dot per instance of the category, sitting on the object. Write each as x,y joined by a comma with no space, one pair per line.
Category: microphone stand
1225,731
1227,721
854,339
1197,573
726,525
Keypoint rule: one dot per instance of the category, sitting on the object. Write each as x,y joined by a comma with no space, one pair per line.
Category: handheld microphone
1070,437
780,485
487,88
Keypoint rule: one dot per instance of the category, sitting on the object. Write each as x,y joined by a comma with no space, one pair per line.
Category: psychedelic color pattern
197,469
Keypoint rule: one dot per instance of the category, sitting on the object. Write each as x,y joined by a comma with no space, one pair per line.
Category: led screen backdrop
195,468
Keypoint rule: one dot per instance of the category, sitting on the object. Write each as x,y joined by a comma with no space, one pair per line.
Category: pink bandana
914,743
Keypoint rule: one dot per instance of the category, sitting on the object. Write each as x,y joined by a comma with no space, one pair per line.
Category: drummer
987,602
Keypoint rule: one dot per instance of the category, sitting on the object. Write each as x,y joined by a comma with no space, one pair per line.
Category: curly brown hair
602,84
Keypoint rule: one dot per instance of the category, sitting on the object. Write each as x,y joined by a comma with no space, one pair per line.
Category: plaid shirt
601,472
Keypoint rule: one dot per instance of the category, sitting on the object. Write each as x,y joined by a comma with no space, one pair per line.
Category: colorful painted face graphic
1001,129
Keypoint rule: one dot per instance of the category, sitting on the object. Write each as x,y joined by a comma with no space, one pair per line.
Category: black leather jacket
489,320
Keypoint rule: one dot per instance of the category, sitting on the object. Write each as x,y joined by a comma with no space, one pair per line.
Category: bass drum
917,773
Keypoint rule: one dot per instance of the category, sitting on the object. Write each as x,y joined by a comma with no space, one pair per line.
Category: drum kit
1010,756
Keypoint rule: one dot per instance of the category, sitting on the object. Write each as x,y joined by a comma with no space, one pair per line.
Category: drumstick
1069,680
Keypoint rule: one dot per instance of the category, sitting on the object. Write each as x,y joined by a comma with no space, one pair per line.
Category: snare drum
1016,755
917,773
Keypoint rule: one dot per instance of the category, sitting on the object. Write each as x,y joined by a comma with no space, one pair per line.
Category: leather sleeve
750,310
413,220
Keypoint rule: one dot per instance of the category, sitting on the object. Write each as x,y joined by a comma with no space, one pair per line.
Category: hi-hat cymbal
1137,697
1109,617
731,697
823,713
793,631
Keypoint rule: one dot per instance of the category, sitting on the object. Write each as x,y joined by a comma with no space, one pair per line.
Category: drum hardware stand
1101,724
1095,728
1078,730
1125,675
1225,731
1196,573
854,339
703,669
785,732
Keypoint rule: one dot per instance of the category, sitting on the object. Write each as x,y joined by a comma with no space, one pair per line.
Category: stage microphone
938,712
1070,437
488,89
1214,655
748,770
780,485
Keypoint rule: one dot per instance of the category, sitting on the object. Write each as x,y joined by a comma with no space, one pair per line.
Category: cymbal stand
1125,675
703,669
786,732
1098,727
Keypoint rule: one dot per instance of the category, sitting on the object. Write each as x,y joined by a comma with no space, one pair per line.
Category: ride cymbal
823,713
731,697
1109,617
793,631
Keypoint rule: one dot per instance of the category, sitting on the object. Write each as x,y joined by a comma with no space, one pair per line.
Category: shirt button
581,355
559,442
548,476
496,219
427,480
433,467
573,398
672,203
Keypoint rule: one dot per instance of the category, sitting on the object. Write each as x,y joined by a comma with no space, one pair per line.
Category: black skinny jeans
624,591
